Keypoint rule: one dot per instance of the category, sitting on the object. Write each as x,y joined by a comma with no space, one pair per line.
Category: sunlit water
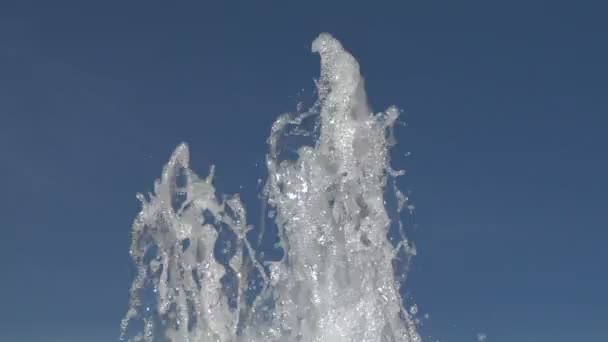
201,277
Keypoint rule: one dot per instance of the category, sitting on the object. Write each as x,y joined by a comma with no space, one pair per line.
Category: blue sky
505,106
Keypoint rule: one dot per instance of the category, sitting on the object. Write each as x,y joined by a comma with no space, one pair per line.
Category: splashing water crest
336,280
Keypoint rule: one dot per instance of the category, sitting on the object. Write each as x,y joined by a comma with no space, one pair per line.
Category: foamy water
200,278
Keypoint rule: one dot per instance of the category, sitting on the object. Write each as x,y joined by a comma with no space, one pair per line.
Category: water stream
200,275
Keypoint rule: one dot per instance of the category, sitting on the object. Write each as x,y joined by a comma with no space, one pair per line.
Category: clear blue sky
506,110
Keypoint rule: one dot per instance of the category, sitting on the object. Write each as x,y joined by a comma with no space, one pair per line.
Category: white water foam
337,278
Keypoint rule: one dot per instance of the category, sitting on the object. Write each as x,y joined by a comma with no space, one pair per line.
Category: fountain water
337,278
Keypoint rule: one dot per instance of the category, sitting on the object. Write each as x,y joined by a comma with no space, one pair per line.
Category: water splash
336,280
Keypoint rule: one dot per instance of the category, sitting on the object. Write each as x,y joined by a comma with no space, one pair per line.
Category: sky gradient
505,108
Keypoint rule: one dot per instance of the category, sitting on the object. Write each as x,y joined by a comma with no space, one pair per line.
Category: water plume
199,276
